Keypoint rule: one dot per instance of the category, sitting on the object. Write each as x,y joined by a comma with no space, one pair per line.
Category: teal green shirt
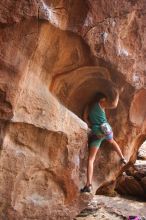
97,116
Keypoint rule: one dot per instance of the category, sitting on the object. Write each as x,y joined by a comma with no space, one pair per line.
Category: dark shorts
96,142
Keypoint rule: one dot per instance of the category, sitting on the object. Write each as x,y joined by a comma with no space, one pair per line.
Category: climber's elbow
114,104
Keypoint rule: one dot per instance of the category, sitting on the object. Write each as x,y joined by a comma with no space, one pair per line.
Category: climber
95,117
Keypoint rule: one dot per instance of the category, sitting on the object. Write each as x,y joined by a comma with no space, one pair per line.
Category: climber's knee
92,154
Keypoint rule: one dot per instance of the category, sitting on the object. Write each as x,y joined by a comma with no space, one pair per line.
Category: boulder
54,57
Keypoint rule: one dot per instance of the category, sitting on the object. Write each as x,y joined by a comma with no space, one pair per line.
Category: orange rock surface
54,56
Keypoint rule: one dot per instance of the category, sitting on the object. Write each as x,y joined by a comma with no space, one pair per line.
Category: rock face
54,56
133,182
142,152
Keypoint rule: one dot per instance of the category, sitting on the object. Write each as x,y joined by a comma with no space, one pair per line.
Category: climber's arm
112,105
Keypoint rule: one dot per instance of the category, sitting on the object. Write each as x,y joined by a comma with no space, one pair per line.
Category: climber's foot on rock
87,189
124,161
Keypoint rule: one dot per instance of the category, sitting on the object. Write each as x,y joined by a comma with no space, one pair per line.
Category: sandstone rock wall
133,182
54,56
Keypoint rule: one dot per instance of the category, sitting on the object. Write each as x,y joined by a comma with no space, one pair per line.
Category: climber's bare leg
91,158
116,147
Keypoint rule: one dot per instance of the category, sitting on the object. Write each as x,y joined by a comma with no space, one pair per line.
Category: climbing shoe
123,160
134,218
86,189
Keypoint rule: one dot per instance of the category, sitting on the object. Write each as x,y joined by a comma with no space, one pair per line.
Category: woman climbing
95,117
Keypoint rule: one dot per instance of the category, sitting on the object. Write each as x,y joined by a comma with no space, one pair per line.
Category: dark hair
96,98
99,96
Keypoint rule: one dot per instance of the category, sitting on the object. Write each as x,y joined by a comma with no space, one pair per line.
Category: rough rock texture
142,152
40,138
54,56
133,182
115,32
115,208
